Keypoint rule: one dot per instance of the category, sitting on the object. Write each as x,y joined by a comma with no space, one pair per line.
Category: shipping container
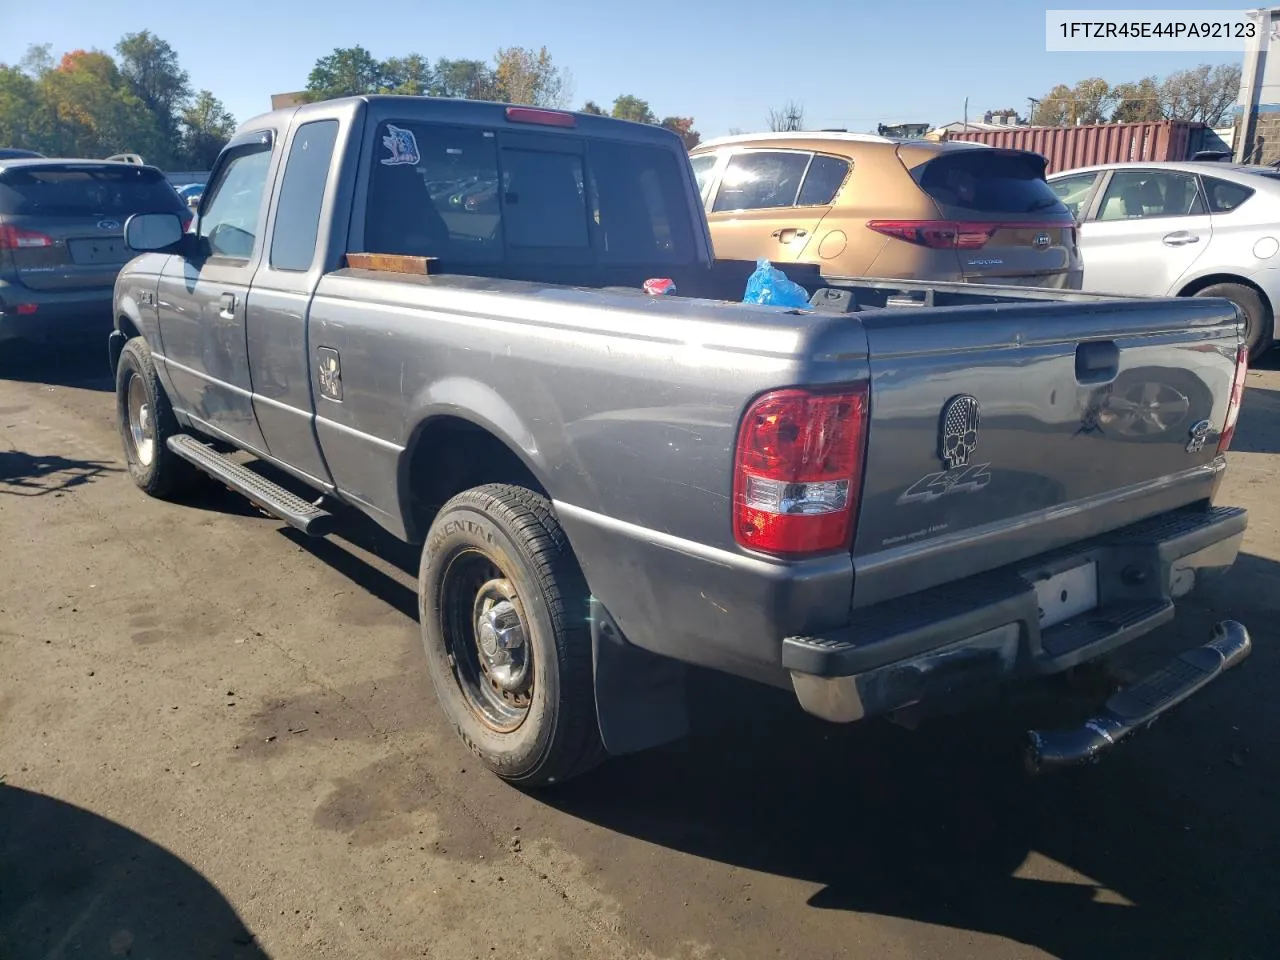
1069,147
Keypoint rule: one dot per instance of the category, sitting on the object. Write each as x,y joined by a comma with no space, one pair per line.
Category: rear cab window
990,181
86,191
474,195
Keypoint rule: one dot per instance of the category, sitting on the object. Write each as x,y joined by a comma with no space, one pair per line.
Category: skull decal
958,432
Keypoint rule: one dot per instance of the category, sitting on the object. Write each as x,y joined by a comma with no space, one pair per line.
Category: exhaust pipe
1137,706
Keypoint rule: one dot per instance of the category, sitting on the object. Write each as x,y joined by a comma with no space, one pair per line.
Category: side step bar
262,493
1138,705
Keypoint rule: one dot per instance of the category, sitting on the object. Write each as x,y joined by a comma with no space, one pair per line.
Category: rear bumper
58,314
987,628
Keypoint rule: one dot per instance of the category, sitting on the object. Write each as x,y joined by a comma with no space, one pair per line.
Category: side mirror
153,232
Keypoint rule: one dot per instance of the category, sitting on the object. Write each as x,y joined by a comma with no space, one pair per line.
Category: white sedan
1181,229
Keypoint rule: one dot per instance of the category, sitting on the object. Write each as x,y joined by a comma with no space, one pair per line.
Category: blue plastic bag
769,286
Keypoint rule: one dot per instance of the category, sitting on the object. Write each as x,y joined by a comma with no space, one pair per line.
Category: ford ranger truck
433,313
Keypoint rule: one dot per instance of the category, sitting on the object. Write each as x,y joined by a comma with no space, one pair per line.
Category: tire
1259,323
501,544
153,466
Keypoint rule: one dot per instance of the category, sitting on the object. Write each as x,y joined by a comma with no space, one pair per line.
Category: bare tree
1203,94
787,119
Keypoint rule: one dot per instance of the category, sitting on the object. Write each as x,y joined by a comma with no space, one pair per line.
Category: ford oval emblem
108,224
1042,240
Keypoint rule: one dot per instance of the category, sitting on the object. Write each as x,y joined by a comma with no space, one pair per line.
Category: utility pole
1035,105
966,114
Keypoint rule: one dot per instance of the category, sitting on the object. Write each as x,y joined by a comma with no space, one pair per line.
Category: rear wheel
503,608
146,423
1258,321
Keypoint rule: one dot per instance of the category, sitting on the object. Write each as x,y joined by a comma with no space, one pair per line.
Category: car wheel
1258,322
146,423
503,608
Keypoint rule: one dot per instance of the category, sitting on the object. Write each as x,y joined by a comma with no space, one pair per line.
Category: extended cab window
467,195
293,239
230,216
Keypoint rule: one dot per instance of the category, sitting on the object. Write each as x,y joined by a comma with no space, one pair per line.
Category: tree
1089,101
1202,94
25,117
521,75
97,112
629,107
592,108
683,126
409,75
789,118
347,72
1138,102
206,128
150,66
465,79
37,61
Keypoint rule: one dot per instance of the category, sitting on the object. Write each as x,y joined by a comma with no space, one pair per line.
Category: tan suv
870,206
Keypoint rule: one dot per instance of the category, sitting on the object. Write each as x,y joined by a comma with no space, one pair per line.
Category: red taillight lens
936,234
12,238
1237,397
547,118
798,471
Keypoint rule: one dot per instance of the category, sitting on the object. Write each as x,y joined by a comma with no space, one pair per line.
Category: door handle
1097,361
1180,238
228,311
787,234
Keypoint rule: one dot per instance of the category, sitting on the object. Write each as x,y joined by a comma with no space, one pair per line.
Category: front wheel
146,423
503,608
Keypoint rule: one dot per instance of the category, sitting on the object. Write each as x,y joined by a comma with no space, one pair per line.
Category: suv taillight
12,238
798,470
1237,397
936,234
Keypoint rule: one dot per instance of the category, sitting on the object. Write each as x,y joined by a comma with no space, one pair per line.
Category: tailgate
1001,432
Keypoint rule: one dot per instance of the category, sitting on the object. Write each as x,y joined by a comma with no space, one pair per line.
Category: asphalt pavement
218,740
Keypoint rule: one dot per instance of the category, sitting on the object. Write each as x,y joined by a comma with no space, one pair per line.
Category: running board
1138,705
261,492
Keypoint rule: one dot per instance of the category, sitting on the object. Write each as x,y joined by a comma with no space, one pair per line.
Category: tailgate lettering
966,479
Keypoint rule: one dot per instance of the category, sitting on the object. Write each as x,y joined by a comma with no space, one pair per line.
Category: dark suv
62,241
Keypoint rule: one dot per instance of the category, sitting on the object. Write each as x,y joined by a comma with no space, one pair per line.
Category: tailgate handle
1097,361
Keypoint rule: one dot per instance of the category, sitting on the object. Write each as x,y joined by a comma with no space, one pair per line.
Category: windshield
87,192
990,181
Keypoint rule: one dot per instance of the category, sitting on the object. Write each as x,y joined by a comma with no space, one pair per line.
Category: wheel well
451,455
1195,286
127,327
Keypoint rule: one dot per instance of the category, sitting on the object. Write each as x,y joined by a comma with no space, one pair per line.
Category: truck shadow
1259,427
1165,849
74,884
27,475
79,364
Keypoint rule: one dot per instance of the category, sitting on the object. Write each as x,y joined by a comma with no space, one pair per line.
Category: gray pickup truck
436,313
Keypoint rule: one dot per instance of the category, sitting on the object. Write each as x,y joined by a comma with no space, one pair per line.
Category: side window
760,179
1074,192
1144,194
1225,196
229,220
703,165
823,181
293,238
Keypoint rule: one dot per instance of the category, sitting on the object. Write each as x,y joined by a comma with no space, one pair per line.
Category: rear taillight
1237,397
798,471
950,234
13,238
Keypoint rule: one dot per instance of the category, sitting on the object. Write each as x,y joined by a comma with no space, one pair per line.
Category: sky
725,63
